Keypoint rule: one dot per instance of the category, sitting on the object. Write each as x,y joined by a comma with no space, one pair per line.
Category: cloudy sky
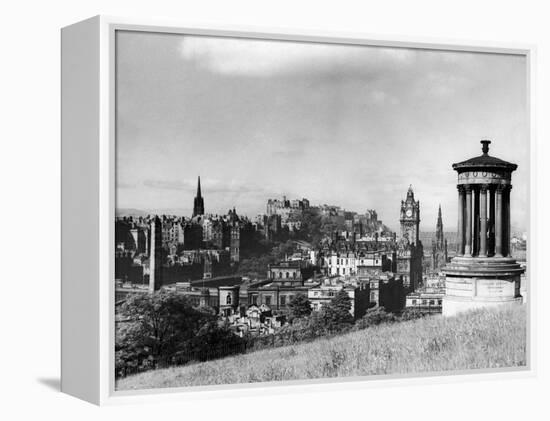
347,125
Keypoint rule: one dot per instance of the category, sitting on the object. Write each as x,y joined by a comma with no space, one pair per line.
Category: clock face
409,213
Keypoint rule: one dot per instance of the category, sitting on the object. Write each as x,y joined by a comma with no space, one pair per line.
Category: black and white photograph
291,211
279,210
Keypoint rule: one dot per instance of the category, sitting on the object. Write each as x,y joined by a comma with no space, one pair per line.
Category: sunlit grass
487,338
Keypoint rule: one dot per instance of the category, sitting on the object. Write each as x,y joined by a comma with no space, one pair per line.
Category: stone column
468,222
460,231
483,221
491,247
475,221
507,222
498,221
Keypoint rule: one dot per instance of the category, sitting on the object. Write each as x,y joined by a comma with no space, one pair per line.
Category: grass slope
486,338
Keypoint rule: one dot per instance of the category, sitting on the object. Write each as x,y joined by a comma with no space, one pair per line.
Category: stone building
286,207
426,300
287,273
355,262
322,294
276,295
483,273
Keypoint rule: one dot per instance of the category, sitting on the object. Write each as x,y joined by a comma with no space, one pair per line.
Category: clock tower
410,218
409,248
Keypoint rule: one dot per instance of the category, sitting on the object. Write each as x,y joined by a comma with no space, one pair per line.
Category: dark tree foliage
337,314
161,329
213,341
373,317
299,307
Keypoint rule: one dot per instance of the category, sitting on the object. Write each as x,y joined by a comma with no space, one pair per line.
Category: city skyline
351,126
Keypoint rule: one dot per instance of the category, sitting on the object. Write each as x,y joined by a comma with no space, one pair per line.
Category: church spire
198,205
439,229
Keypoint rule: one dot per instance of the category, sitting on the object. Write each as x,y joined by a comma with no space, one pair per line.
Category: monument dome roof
484,161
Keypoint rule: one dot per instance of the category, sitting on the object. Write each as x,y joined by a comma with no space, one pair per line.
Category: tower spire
198,205
439,229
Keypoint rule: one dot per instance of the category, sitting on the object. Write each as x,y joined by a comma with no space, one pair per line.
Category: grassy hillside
481,339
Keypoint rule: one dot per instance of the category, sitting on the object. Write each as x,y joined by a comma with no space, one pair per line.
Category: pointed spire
198,206
439,229
199,187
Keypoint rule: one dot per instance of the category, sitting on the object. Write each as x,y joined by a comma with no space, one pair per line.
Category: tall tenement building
198,206
483,273
439,245
410,251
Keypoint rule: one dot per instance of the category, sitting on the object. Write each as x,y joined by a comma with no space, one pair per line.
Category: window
373,296
255,300
424,302
228,299
432,302
280,274
439,302
287,275
283,300
268,300
294,275
343,271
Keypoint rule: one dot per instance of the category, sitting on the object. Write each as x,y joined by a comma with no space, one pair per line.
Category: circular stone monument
483,273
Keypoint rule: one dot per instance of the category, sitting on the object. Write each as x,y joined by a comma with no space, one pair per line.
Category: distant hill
488,338
131,212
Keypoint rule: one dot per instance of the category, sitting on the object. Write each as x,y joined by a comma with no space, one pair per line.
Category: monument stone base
477,282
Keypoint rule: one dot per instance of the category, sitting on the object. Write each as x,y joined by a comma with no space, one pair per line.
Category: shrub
373,317
412,314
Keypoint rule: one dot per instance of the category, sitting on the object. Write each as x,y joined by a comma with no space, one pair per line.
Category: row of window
287,275
268,299
426,302
346,263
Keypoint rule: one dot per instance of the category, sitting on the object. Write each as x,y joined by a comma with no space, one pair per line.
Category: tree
153,327
336,313
299,307
213,341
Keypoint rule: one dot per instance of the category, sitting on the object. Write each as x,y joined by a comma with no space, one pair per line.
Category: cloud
207,186
257,57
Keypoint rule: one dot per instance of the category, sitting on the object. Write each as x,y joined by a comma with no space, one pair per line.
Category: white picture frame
88,191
